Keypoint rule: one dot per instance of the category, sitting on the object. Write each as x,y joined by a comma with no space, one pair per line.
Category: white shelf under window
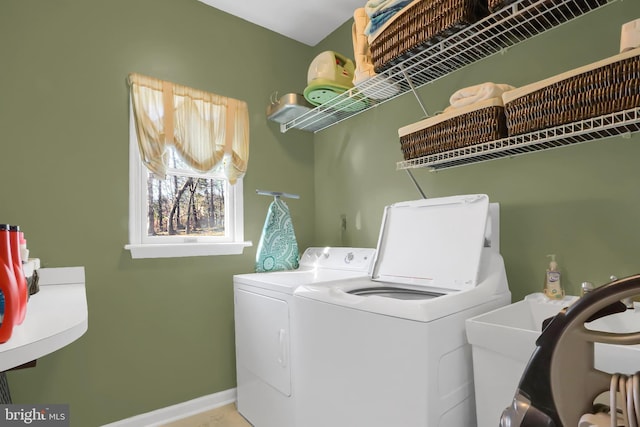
614,124
177,250
507,27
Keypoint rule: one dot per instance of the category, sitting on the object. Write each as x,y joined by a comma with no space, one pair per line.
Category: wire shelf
615,124
507,27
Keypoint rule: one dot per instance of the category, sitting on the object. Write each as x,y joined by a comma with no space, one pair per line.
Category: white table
56,316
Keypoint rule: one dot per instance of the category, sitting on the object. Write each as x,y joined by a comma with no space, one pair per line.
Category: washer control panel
338,258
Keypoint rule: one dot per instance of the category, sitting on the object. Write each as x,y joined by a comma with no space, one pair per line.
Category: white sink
624,359
504,339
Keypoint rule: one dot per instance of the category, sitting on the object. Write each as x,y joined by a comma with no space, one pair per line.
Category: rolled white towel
471,95
361,52
365,77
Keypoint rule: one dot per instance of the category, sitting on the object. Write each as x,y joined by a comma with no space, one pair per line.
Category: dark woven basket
421,25
475,127
495,5
32,283
604,90
5,393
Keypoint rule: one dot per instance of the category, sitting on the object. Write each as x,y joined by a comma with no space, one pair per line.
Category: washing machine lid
432,242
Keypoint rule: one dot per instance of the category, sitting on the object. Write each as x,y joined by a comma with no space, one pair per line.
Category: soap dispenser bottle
552,286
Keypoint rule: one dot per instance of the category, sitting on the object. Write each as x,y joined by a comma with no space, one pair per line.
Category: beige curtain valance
205,128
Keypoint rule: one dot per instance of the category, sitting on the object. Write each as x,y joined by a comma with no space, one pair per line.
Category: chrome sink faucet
587,287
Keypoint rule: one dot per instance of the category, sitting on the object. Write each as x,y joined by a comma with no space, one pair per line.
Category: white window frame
143,246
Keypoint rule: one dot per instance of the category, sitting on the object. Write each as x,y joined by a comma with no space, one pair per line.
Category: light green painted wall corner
580,203
160,331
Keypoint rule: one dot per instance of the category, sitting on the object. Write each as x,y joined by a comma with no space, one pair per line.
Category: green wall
160,331
581,203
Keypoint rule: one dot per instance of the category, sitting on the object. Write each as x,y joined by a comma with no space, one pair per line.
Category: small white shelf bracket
413,179
413,89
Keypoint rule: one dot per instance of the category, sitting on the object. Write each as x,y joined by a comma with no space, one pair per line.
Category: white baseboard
179,411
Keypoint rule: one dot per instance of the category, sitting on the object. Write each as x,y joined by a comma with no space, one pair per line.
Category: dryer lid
432,242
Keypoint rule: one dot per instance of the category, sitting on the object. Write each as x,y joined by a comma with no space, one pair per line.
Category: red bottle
8,286
23,290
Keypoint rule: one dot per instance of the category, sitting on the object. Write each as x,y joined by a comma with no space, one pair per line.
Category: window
175,208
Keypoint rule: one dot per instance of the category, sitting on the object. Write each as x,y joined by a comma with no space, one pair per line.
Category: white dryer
265,322
390,349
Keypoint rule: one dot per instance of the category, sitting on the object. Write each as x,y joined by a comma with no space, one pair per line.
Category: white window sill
185,249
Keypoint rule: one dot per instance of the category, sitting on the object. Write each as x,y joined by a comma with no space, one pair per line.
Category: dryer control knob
350,256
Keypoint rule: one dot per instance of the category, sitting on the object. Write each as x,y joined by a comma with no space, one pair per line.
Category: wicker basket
421,24
495,5
5,392
594,90
464,127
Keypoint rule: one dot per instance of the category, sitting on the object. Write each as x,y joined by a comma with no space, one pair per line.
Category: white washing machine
265,322
390,349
